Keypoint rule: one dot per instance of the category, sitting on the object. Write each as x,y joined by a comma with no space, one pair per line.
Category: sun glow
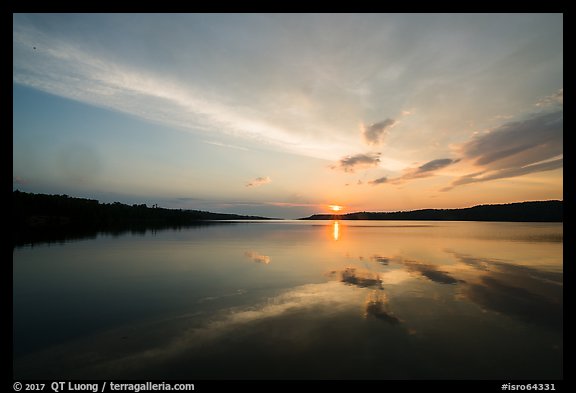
335,208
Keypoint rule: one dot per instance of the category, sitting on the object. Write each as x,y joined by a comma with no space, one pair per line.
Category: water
294,300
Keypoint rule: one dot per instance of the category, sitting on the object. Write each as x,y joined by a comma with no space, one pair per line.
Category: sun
335,208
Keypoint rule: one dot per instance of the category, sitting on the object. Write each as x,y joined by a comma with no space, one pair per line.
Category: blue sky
283,115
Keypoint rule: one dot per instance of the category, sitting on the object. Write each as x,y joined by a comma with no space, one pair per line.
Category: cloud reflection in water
362,279
430,271
377,306
421,307
526,293
257,257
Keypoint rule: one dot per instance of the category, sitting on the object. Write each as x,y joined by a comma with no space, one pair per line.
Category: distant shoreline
42,217
536,211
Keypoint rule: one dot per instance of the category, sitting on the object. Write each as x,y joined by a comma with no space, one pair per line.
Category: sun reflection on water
336,230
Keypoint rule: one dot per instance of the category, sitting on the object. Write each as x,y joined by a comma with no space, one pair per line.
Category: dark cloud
374,134
358,161
259,181
435,165
380,180
516,149
506,173
424,170
519,143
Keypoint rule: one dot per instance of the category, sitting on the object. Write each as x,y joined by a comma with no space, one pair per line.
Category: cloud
424,170
358,161
220,144
374,134
518,143
109,79
553,99
380,180
259,181
292,204
515,149
435,165
506,173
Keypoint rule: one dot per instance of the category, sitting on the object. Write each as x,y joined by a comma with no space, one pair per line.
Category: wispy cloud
292,204
506,173
554,99
375,134
259,181
358,161
71,70
515,149
227,145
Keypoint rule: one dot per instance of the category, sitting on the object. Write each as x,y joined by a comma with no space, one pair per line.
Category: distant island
538,211
42,217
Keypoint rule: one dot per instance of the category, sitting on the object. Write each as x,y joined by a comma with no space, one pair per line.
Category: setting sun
335,208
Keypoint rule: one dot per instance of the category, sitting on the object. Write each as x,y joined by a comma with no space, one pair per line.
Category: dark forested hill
539,211
41,208
39,215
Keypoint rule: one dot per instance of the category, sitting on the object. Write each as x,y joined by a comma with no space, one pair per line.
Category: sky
284,115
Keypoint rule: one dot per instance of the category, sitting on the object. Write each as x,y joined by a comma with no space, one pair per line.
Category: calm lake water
294,300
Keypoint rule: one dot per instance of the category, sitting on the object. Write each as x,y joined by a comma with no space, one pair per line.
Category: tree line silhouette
59,217
537,211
